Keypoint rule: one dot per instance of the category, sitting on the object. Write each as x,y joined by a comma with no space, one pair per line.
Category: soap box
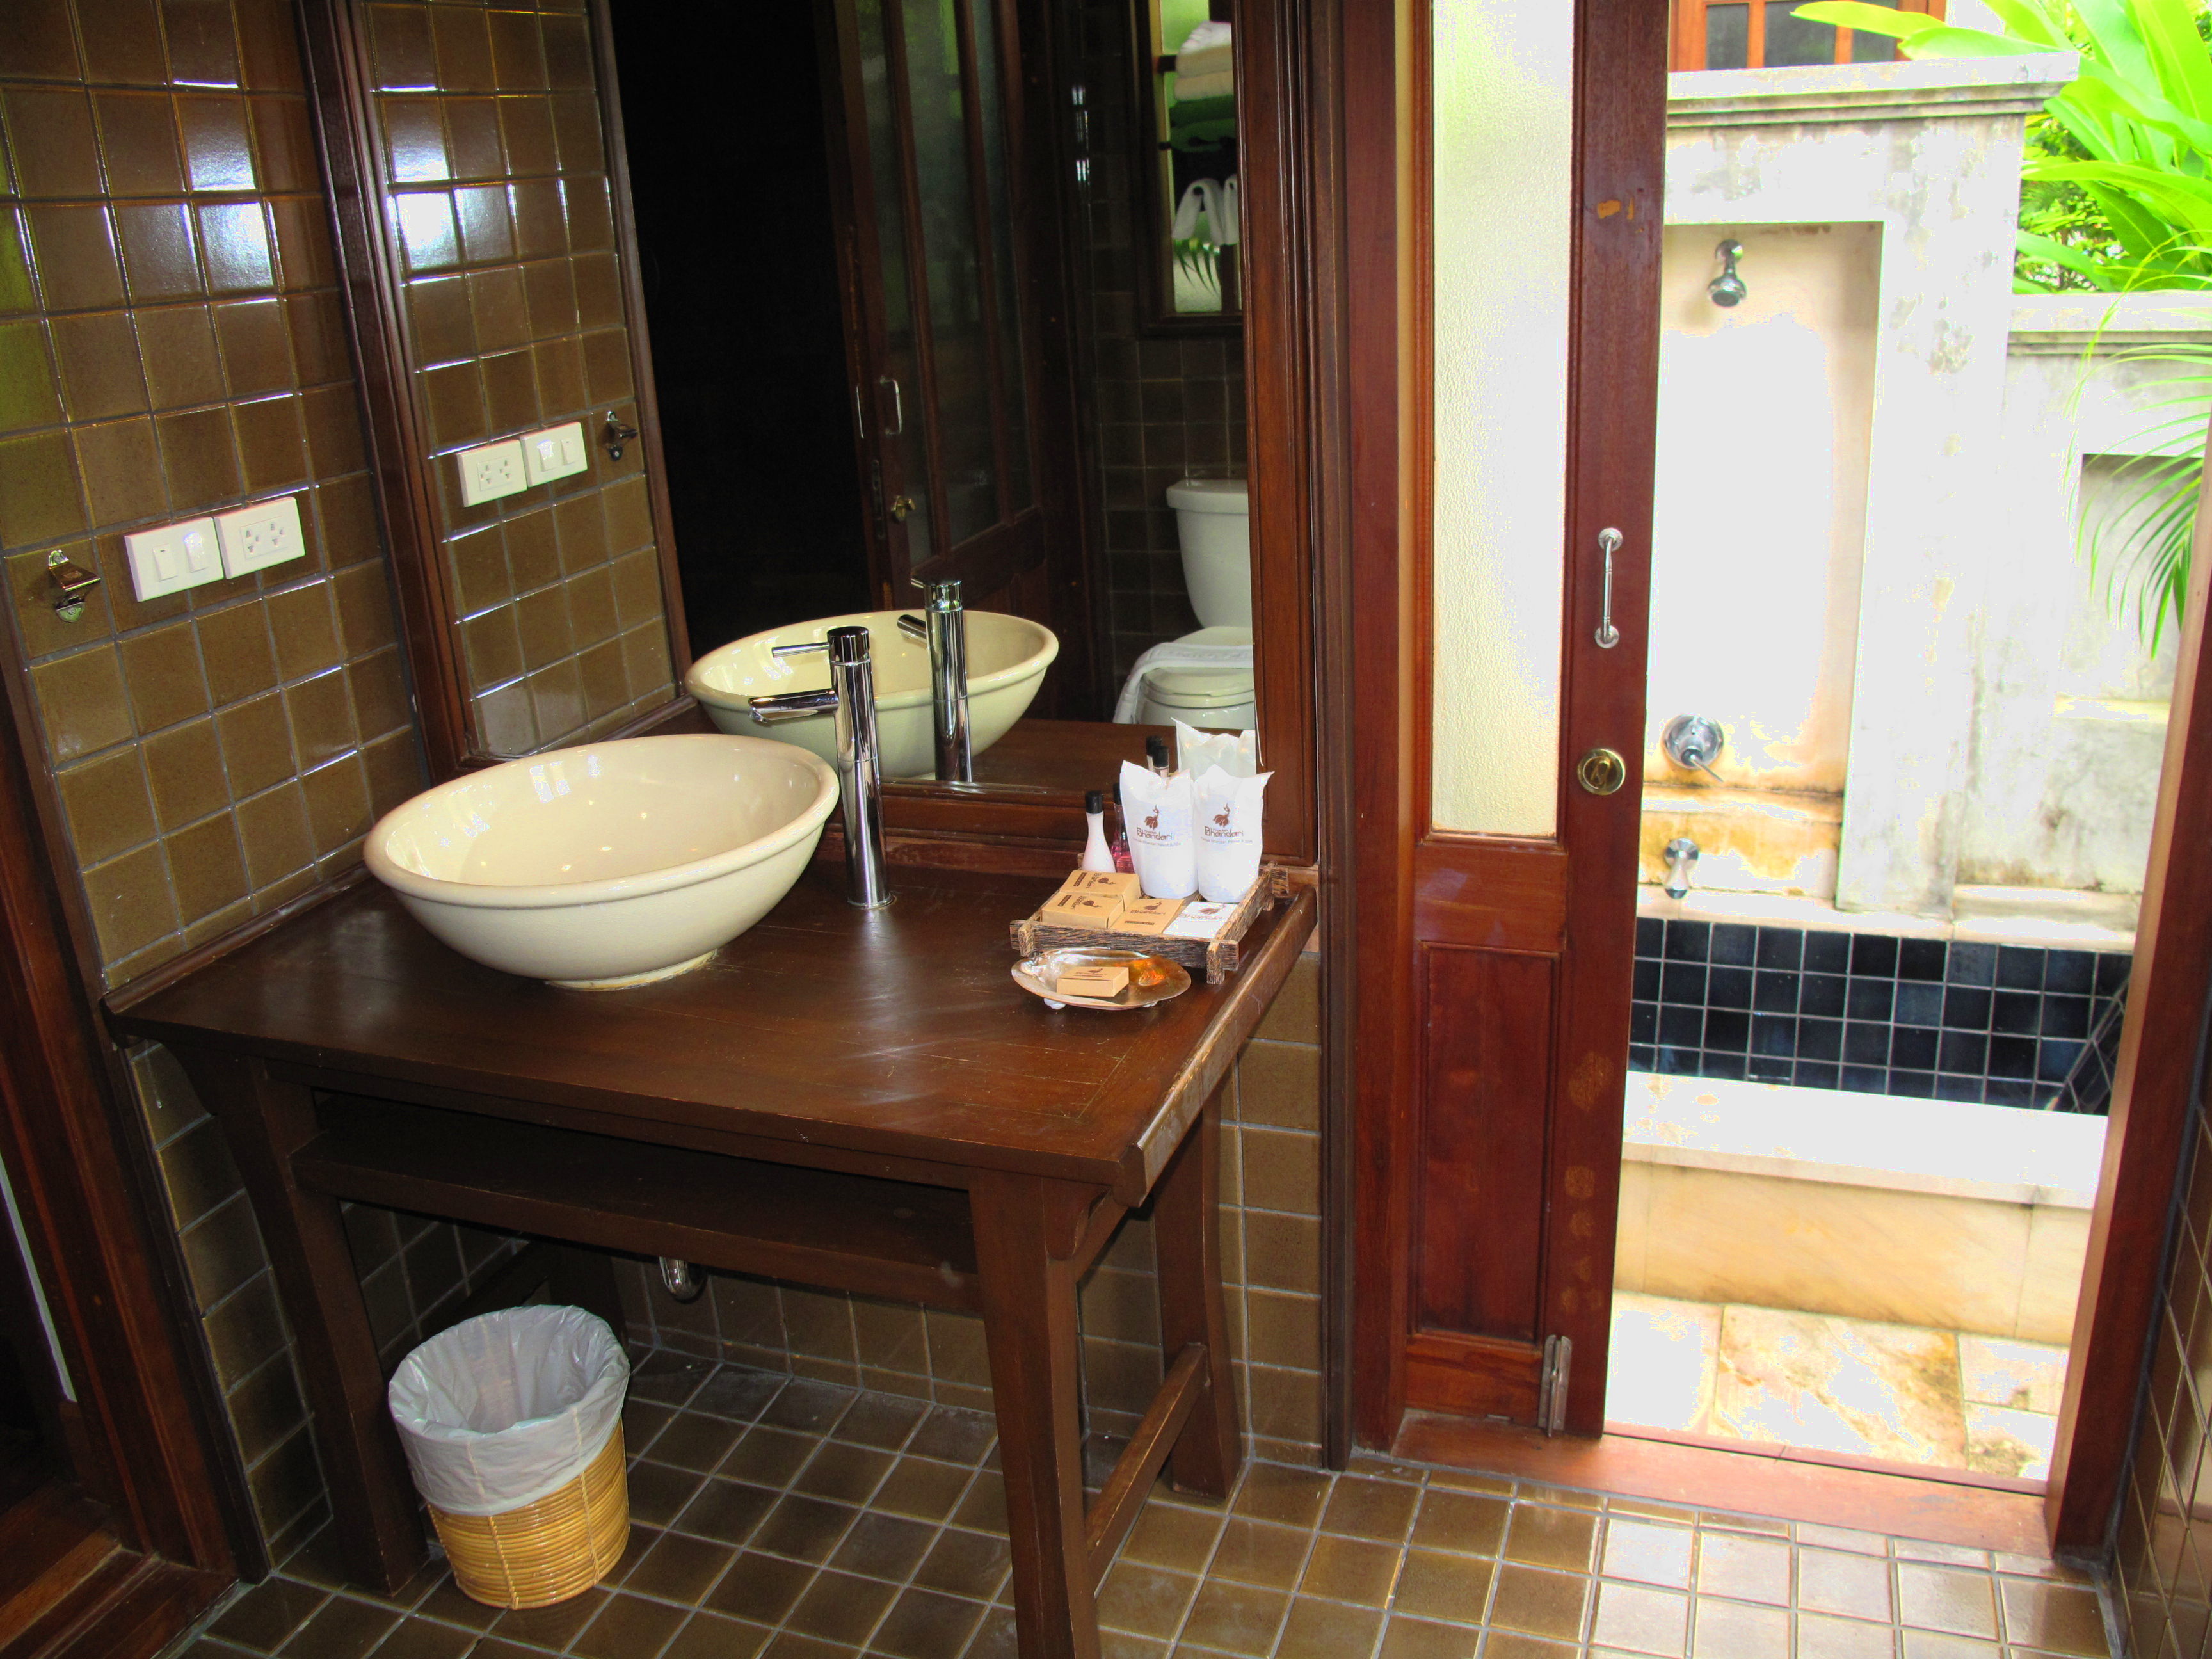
1199,920
1071,909
1145,915
1103,980
1118,884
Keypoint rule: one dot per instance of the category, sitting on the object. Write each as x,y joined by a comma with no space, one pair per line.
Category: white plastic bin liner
502,1409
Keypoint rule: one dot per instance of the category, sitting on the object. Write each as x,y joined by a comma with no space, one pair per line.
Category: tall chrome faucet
852,698
946,633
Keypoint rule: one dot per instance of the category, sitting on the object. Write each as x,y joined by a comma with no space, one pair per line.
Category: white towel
1205,36
1215,60
1188,89
1175,653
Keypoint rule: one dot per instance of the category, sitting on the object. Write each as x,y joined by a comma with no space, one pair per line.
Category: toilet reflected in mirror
896,337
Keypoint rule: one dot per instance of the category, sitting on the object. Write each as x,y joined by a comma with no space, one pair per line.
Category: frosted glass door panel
1503,137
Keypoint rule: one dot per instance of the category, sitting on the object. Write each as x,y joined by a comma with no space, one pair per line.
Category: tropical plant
2137,126
2116,197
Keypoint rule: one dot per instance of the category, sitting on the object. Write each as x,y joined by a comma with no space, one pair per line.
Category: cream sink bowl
608,865
1006,659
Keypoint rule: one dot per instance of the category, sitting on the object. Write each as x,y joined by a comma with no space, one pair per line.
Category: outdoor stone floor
1945,1399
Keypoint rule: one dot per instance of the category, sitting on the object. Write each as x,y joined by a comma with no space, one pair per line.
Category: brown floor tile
792,1645
551,1627
727,1512
266,1615
923,1624
984,1507
425,1638
1357,1570
694,1441
629,1627
920,1487
710,1636
1854,1586
1145,1600
972,1564
658,1491
1421,1638
1733,1629
1541,1536
1120,1644
1327,1628
1934,1645
841,1607
446,1604
1362,1508
2055,1618
842,1473
953,1436
1641,1620
1511,1645
1469,1522
994,1638
1540,1603
804,1529
1954,1600
1233,1617
882,1421
342,1628
1433,1584
768,1457
1819,1637
1291,1497
886,1546
1743,1568
1650,1554
680,1568
1167,1535
1259,1552
760,1587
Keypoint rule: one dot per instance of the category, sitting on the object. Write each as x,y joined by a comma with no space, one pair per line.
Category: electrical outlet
554,452
491,471
265,533
172,558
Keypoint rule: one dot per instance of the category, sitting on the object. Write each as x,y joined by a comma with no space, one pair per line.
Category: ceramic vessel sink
608,865
1007,659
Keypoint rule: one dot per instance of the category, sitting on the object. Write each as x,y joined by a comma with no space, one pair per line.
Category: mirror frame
1157,315
1281,175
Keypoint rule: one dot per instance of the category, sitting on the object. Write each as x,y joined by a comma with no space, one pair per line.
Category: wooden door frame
147,1434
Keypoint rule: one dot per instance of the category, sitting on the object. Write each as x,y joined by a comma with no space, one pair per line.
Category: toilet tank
1212,516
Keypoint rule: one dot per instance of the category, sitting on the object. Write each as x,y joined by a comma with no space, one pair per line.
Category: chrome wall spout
677,1277
945,633
852,697
1681,860
1694,742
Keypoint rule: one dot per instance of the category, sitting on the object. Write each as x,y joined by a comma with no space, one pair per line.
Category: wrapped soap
1111,883
1102,981
1229,823
1198,752
1158,810
1070,909
1199,920
1145,915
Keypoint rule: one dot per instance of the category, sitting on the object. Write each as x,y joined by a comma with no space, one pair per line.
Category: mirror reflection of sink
1006,659
611,864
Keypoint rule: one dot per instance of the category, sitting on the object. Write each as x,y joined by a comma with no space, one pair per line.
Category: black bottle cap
1095,801
1156,751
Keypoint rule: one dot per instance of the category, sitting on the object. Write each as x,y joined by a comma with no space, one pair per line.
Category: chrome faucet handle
799,650
915,628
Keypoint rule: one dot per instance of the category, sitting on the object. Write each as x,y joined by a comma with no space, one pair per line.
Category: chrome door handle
898,407
1608,635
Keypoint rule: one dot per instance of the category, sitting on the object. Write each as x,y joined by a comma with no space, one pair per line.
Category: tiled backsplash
504,228
1270,1264
1166,408
2005,1024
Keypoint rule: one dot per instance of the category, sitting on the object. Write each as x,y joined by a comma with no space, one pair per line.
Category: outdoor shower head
1728,288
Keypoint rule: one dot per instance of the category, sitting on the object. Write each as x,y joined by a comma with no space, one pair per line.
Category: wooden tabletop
823,1033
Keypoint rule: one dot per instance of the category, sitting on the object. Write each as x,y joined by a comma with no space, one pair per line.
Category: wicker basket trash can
512,1424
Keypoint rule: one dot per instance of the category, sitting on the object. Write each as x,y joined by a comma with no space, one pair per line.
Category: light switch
172,558
265,533
554,452
492,470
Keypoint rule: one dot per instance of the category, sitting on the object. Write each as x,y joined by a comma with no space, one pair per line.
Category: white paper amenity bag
1156,811
1234,752
1228,821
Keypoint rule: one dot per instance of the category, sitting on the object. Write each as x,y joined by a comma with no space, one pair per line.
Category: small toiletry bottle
1122,861
1155,756
1096,855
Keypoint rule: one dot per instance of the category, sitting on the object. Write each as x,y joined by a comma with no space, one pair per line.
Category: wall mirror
916,303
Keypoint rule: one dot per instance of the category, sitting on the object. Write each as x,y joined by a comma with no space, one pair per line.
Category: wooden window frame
1686,32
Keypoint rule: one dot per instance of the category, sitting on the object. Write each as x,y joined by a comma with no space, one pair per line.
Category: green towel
1222,108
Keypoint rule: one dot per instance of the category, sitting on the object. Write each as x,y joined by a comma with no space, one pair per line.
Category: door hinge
1552,1388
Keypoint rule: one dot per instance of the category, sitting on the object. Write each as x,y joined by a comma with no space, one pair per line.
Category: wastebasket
512,1424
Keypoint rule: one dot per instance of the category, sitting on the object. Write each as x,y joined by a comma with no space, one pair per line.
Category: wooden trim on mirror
1156,313
393,428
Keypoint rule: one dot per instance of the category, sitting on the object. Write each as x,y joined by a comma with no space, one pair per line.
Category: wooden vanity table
860,1101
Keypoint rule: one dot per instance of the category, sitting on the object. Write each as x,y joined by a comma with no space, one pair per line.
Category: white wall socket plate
172,558
492,470
265,533
554,452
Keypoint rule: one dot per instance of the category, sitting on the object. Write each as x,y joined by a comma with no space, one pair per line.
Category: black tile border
1936,1019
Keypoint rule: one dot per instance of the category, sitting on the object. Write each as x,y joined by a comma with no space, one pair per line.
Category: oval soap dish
1151,978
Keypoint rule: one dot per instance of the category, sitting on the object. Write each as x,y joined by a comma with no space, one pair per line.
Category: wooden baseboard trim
1758,1482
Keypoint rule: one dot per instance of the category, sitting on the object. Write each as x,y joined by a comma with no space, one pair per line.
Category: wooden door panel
1488,1016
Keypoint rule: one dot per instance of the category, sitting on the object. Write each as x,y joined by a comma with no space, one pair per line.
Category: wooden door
950,283
1490,1127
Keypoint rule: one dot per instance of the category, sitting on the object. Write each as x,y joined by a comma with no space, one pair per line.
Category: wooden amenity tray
1219,955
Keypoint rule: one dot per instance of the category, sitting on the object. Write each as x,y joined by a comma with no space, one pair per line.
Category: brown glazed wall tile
160,244
121,470
107,802
50,132
139,142
203,42
82,702
132,902
321,714
35,45
28,397
234,241
40,497
256,745
99,366
257,346
218,144
121,41
271,445
73,248
306,630
274,829
236,646
207,868
177,347
200,457
162,669
284,142
184,766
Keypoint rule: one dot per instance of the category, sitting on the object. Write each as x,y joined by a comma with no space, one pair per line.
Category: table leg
372,1497
1030,1328
1186,1240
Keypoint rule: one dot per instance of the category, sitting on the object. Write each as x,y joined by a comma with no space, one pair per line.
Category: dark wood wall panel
1488,1015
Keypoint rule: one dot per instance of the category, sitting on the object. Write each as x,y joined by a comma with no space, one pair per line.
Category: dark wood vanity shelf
862,1102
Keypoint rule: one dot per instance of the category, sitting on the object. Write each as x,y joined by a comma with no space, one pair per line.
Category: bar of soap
1102,979
1145,915
1200,920
1072,909
1118,883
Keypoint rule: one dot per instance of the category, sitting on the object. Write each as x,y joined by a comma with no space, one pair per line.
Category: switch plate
554,452
265,533
492,470
172,558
